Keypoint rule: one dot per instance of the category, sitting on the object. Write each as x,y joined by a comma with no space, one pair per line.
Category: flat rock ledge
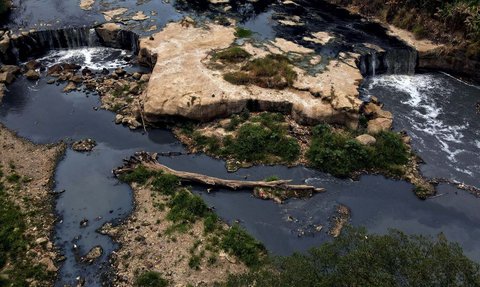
182,86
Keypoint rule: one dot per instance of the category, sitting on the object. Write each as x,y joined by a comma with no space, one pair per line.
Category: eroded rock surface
182,85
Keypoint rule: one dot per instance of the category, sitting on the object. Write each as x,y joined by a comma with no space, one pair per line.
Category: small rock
49,264
84,222
134,88
84,145
93,255
10,69
32,75
51,81
366,139
76,79
137,76
71,86
3,88
145,78
7,78
32,65
86,71
118,119
41,240
120,72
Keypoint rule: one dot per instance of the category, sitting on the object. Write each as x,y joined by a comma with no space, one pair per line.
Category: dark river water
436,110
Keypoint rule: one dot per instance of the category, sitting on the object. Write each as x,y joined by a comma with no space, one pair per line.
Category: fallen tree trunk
150,162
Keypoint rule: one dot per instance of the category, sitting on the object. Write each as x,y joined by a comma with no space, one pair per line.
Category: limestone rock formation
182,85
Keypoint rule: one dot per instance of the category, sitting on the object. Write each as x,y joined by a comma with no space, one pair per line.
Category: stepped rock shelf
183,86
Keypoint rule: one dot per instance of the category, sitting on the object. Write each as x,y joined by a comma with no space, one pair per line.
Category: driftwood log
150,162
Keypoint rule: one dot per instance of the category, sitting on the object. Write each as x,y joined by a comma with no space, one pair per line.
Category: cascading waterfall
37,43
400,61
397,61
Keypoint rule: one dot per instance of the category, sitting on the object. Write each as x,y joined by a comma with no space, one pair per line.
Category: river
437,110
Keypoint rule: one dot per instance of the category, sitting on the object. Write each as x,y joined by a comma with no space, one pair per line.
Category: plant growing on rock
233,54
242,32
271,71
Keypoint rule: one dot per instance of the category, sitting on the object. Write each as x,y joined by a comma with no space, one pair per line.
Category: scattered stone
71,86
145,78
86,4
62,67
10,69
86,71
3,88
118,119
137,76
32,65
120,72
339,220
51,81
76,79
7,78
41,240
84,145
366,139
140,16
49,264
32,75
93,255
84,222
134,88
109,15
378,125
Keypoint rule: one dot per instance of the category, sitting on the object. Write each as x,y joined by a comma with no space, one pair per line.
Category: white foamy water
420,89
95,58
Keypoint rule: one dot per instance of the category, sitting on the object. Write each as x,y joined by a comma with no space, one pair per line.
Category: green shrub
186,207
165,183
139,175
210,223
242,32
232,55
150,279
13,178
356,258
194,262
340,154
272,178
238,242
271,71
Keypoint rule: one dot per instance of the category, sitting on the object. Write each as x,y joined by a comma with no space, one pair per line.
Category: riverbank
172,233
26,181
444,34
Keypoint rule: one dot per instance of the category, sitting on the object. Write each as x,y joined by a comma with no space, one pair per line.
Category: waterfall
37,43
396,61
400,61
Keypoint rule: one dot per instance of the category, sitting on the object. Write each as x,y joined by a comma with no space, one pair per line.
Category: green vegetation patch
186,208
356,258
271,71
243,32
231,55
13,247
238,242
338,153
150,279
263,138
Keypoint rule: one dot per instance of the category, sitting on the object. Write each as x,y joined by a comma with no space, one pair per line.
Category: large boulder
378,125
109,34
32,75
366,139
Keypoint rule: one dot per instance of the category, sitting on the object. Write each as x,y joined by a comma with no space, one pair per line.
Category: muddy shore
28,169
